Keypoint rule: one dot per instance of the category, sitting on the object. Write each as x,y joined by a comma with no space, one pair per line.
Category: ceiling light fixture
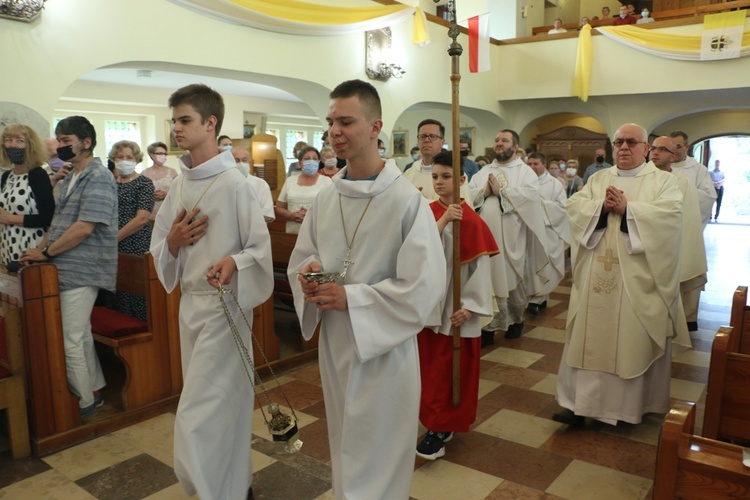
21,10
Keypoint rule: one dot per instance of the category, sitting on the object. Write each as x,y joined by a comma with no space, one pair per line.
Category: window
292,138
115,130
318,140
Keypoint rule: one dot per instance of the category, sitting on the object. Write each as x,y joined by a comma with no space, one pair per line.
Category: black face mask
16,155
464,153
65,153
599,159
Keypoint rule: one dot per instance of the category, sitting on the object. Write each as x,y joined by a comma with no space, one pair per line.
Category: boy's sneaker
88,411
432,446
98,399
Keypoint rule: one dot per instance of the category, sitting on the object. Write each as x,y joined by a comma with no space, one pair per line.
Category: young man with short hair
372,226
210,232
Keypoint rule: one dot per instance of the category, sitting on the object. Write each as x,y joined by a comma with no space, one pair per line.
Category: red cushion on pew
114,324
4,373
3,341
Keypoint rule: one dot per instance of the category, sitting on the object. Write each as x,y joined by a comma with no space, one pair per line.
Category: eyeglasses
430,137
661,149
618,143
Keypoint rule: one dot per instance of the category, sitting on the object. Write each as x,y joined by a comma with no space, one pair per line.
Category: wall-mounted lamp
378,62
21,10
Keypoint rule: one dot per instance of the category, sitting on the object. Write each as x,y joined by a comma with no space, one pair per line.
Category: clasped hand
614,201
493,186
326,296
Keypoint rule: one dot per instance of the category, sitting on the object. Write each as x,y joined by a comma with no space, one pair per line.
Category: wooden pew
142,347
727,416
12,392
54,420
740,321
694,467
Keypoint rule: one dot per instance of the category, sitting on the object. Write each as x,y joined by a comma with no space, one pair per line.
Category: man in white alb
625,307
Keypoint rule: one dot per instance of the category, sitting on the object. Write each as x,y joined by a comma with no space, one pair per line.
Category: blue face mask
310,167
55,164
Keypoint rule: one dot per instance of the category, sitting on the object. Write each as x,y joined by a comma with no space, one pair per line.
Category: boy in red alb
435,341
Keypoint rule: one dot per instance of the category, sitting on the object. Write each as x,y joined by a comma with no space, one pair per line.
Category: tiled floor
513,451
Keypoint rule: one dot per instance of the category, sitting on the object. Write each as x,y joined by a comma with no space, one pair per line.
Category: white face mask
381,152
125,167
243,166
644,14
571,172
228,147
415,156
310,167
331,162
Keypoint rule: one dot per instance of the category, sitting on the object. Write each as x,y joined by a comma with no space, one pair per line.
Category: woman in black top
26,200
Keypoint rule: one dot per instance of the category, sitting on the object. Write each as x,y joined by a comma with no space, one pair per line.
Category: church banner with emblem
722,35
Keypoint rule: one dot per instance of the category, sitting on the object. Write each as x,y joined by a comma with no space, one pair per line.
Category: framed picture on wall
466,134
172,147
400,143
248,131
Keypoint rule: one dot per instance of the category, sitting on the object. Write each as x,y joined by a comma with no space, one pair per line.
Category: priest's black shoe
692,326
569,418
488,337
534,309
514,331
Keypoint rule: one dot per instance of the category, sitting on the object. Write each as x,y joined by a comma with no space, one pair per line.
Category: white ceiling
174,80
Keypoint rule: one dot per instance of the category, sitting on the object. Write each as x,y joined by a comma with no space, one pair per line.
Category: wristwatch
44,252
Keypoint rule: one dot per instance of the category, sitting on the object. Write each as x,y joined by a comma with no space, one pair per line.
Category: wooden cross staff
454,51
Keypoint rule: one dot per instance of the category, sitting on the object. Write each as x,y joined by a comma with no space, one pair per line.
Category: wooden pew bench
694,467
740,321
12,392
727,416
141,346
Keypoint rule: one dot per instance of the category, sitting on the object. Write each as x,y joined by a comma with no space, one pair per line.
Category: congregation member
624,17
481,161
210,233
605,13
224,142
55,167
431,139
556,229
645,17
557,28
26,200
135,201
555,171
299,192
372,226
625,310
161,175
435,341
328,162
260,186
717,177
693,265
469,166
506,194
599,164
695,172
295,168
573,183
415,155
82,244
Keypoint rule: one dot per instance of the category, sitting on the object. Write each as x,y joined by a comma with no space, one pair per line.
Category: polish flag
479,43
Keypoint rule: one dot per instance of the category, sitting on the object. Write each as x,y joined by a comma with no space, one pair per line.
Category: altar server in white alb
506,195
374,225
625,309
556,228
210,231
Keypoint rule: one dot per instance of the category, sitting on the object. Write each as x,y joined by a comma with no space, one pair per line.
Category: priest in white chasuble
625,309
693,264
376,229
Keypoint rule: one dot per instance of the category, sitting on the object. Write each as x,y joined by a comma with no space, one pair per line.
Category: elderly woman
26,200
573,183
299,192
161,175
135,198
329,162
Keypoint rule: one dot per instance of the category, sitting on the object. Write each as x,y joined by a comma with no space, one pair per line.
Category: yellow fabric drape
584,57
307,13
420,36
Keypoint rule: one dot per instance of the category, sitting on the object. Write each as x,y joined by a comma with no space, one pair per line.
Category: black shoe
568,417
514,331
488,337
432,446
534,309
250,495
692,326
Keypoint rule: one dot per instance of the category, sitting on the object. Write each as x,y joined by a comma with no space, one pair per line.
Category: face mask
599,159
415,156
571,172
160,160
644,14
55,164
464,153
228,147
65,153
381,152
554,173
16,155
331,162
310,167
125,167
623,16
245,167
